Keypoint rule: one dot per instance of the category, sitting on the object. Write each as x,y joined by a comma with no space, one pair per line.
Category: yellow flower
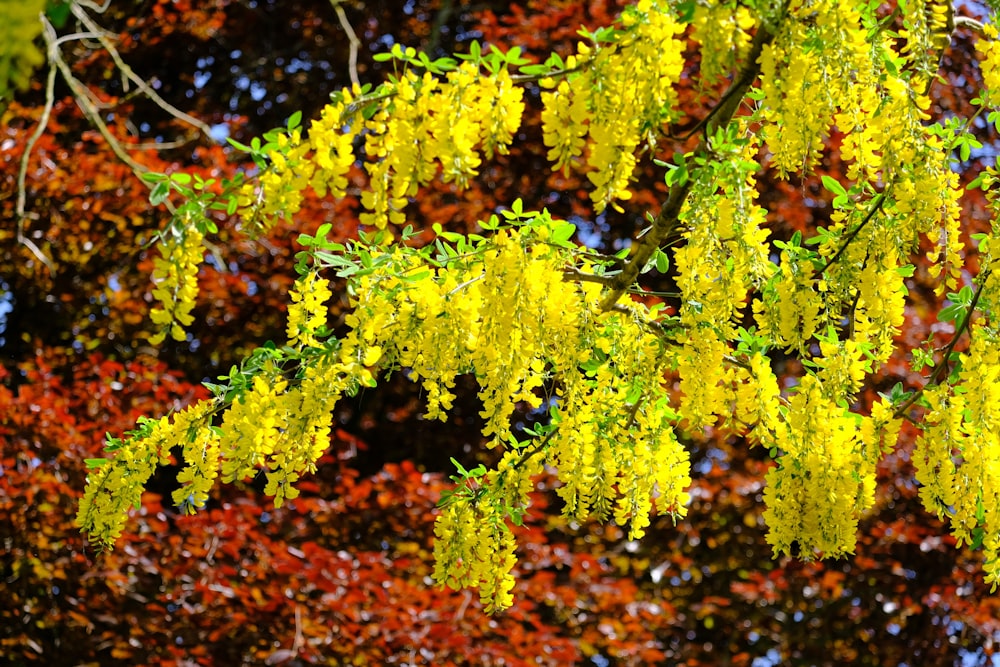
175,275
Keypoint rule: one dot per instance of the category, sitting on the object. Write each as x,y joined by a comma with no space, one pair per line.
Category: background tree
342,570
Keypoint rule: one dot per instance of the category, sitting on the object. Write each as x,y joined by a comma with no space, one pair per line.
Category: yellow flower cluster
723,33
926,33
843,366
175,274
435,126
989,64
117,485
798,101
621,99
758,398
933,453
281,187
201,456
880,308
283,428
307,310
725,251
331,139
958,455
823,481
790,313
705,379
474,548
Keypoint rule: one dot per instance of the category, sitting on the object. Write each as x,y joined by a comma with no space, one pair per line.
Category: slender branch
100,9
667,219
970,23
556,73
86,105
728,98
352,39
466,284
22,172
659,329
571,274
102,37
535,448
939,374
876,207
75,37
633,411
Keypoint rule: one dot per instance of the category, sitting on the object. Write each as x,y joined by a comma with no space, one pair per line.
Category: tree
533,250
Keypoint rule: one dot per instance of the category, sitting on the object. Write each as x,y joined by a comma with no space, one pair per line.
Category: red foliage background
341,575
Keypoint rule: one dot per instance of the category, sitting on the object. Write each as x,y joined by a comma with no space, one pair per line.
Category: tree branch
571,274
102,37
939,374
876,207
667,218
86,104
352,38
22,172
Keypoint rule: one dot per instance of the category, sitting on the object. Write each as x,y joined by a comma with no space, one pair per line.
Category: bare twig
86,105
102,37
970,23
100,9
352,39
573,274
22,195
535,448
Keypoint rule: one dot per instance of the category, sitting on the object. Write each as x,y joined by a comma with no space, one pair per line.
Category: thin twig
100,9
352,39
22,194
87,106
876,206
658,329
970,23
132,76
571,274
537,447
74,37
938,374
466,284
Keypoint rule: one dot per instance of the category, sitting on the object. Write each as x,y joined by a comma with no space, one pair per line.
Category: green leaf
534,70
833,185
294,120
239,146
950,313
459,467
152,177
159,193
662,261
93,464
563,233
